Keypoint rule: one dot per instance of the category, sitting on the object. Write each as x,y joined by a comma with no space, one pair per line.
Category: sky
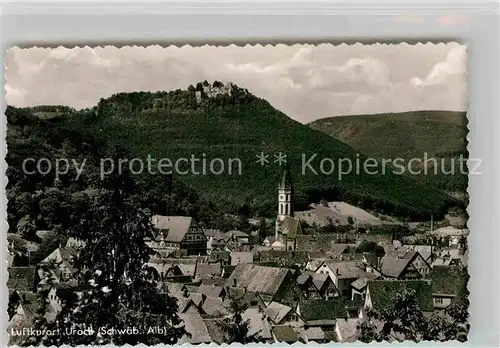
306,82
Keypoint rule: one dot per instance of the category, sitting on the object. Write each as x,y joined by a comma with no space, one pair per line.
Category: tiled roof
393,264
208,270
213,307
259,279
304,277
277,311
211,291
383,292
238,257
319,280
176,226
214,328
345,269
362,281
258,325
195,325
314,334
449,280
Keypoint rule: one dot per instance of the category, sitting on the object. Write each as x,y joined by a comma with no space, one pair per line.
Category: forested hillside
173,125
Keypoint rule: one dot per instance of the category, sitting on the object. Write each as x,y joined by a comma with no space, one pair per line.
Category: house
343,273
178,233
426,251
239,237
455,235
403,265
381,294
213,308
249,298
219,239
212,291
280,314
306,284
57,267
241,257
359,285
448,283
321,313
270,283
317,285
259,326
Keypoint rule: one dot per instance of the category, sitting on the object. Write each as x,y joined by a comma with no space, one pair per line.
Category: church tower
285,191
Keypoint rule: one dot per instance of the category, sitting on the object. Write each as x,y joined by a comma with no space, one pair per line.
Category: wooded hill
174,125
440,134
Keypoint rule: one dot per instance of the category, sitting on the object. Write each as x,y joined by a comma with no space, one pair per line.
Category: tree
263,233
404,319
234,327
113,290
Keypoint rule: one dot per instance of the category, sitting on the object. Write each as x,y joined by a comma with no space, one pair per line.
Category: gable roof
211,290
319,280
345,269
21,278
304,277
259,327
348,329
176,226
213,307
393,264
259,279
383,292
314,334
361,282
277,311
449,280
195,325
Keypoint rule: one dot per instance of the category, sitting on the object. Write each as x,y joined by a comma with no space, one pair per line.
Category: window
439,300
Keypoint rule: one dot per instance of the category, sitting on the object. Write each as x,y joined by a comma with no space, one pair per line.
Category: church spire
286,179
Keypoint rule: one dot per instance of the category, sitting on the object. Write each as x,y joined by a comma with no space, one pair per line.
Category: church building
287,227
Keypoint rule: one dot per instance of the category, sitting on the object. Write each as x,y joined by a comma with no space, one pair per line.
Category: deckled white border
300,22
